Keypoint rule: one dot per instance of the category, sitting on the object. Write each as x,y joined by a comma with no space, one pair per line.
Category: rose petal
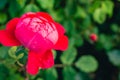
60,29
11,25
32,63
45,15
46,59
39,60
28,14
62,43
8,39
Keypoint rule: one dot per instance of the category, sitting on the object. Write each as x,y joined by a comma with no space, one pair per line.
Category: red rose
40,34
93,37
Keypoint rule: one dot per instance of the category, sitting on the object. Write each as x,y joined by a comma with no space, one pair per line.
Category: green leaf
46,4
82,76
96,4
69,73
86,22
3,18
70,8
84,1
2,4
105,41
95,30
51,74
3,72
15,77
114,57
69,55
3,52
78,40
56,15
114,27
20,56
87,63
31,8
107,7
14,8
99,15
70,27
80,13
23,55
21,3
2,26
12,52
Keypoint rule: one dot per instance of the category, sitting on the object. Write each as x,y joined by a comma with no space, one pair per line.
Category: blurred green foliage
80,19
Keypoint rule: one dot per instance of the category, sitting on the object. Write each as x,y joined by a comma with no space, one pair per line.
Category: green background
84,59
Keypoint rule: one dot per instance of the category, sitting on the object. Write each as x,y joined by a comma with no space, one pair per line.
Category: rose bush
40,34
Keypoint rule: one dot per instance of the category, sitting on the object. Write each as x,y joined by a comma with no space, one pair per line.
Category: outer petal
33,63
47,60
11,25
39,60
8,39
62,43
44,15
60,29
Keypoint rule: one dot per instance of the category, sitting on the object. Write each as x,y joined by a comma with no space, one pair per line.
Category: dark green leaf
3,18
15,76
114,27
46,4
82,76
80,13
70,8
14,8
23,56
51,74
105,41
2,4
70,27
3,72
3,52
56,15
78,40
69,73
69,55
21,3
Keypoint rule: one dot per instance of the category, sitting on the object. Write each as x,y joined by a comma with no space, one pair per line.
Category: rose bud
93,37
